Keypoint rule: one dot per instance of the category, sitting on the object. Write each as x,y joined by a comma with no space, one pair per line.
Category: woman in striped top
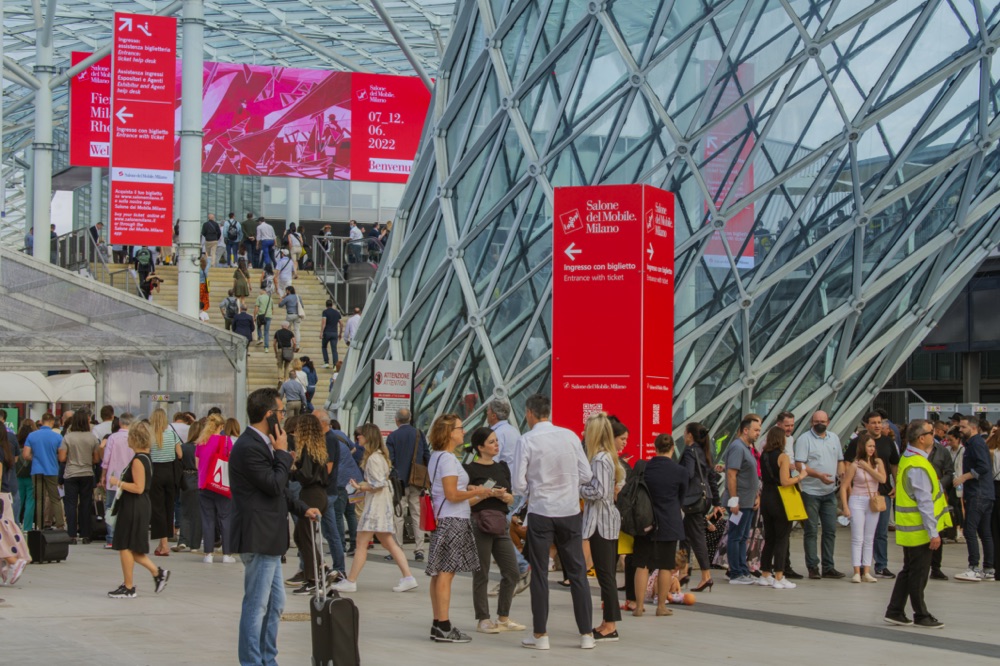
165,451
601,520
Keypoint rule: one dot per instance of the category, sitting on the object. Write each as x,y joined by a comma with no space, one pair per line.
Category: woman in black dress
702,497
133,512
312,470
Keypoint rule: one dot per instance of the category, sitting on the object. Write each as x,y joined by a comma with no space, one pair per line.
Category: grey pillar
971,376
240,394
292,202
189,250
100,386
29,190
42,145
96,193
236,197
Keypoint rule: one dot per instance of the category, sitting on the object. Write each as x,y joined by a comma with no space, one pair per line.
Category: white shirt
356,233
265,232
507,436
549,469
442,464
101,430
182,430
286,267
351,328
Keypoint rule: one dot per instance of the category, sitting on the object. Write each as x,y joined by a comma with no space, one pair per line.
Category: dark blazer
400,443
258,480
698,468
940,460
667,482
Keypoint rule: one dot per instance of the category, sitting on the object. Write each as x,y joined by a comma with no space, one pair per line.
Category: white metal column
96,192
42,145
292,199
189,249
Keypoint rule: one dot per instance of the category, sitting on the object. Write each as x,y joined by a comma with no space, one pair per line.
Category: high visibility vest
910,530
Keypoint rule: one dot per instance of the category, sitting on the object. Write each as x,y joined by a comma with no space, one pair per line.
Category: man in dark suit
402,444
259,466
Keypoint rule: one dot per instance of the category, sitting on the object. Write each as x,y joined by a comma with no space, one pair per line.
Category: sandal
163,554
564,582
628,606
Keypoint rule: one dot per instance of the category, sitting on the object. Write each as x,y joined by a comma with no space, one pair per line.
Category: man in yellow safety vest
921,513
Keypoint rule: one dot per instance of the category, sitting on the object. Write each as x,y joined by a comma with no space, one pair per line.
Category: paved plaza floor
59,614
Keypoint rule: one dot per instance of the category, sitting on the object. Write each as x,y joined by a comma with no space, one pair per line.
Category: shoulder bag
428,514
262,316
491,522
875,500
302,308
791,497
418,471
700,505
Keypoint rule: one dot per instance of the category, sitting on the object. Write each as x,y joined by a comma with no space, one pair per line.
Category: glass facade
845,151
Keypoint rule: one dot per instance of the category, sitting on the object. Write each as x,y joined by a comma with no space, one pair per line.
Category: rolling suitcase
46,545
98,529
334,619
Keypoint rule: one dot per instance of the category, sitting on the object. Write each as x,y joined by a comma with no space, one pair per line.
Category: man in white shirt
356,244
549,469
103,429
285,271
265,241
351,327
355,232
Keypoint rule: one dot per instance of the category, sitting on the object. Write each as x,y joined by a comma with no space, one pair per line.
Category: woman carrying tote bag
775,470
864,504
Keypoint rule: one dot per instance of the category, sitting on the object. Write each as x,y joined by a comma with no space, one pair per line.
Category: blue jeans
27,492
332,341
251,248
109,499
232,251
977,521
736,544
266,246
263,601
264,332
345,510
880,551
822,510
331,532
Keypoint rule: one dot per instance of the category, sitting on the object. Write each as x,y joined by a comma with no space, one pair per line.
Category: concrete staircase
262,368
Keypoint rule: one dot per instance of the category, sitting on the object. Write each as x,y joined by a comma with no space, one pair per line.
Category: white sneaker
856,578
326,365
784,584
587,642
538,642
972,576
766,581
487,627
345,586
494,591
552,564
844,521
509,625
228,559
405,584
207,559
742,580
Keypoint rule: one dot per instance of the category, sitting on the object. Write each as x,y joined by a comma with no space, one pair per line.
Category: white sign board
392,389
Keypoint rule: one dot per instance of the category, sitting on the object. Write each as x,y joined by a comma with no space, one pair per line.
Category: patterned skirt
453,547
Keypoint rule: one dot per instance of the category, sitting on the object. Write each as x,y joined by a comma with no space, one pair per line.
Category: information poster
614,245
90,118
142,129
388,114
392,390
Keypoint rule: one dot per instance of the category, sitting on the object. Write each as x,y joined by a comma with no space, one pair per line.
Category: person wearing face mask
820,456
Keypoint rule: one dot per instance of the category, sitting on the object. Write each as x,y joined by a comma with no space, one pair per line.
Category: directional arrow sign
649,251
126,23
121,115
572,251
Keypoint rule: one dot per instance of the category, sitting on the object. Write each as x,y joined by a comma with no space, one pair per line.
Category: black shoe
284,560
306,589
387,558
418,556
885,573
899,620
160,579
937,574
814,574
929,622
453,636
86,541
297,579
350,552
793,575
72,541
832,573
606,638
122,592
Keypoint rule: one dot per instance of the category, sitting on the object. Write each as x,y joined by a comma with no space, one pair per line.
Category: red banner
614,244
142,129
279,121
90,116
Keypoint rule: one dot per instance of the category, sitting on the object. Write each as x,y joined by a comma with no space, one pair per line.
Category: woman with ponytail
702,496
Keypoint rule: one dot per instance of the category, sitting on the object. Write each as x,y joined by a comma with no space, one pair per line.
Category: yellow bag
791,497
626,543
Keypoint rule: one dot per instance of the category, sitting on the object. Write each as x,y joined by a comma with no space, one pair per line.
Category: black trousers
162,493
629,576
79,504
777,530
911,581
694,533
566,533
604,552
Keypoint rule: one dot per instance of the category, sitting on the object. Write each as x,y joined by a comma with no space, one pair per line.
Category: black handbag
700,505
491,522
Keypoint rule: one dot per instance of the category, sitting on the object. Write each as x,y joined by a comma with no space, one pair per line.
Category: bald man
820,456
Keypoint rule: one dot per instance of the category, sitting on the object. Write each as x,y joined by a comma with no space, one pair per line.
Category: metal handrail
332,257
77,250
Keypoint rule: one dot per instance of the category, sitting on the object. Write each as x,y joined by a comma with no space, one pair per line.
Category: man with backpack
143,263
232,233
211,232
549,468
230,307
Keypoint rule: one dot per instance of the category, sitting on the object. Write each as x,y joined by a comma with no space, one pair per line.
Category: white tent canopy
75,387
25,386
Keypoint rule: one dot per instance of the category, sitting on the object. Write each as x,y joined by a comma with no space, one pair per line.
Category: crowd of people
529,502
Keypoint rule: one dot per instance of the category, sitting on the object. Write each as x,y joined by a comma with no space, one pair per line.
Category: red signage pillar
613,309
142,129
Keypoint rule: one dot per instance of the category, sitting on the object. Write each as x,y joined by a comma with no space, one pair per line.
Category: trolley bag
46,545
334,619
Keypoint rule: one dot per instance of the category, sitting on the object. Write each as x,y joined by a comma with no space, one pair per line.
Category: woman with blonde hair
601,520
164,452
215,507
377,518
311,469
132,513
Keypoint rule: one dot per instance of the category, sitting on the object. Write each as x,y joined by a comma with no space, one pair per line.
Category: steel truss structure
845,147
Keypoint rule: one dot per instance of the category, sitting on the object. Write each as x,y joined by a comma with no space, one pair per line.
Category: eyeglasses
927,432
459,428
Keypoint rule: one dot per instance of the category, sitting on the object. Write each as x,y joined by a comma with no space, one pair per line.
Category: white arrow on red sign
126,23
649,251
121,115
572,251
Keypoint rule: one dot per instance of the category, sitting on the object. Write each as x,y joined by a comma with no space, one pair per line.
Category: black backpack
635,504
232,232
232,309
398,490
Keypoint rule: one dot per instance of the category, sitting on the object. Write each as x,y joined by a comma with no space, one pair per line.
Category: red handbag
428,521
217,479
